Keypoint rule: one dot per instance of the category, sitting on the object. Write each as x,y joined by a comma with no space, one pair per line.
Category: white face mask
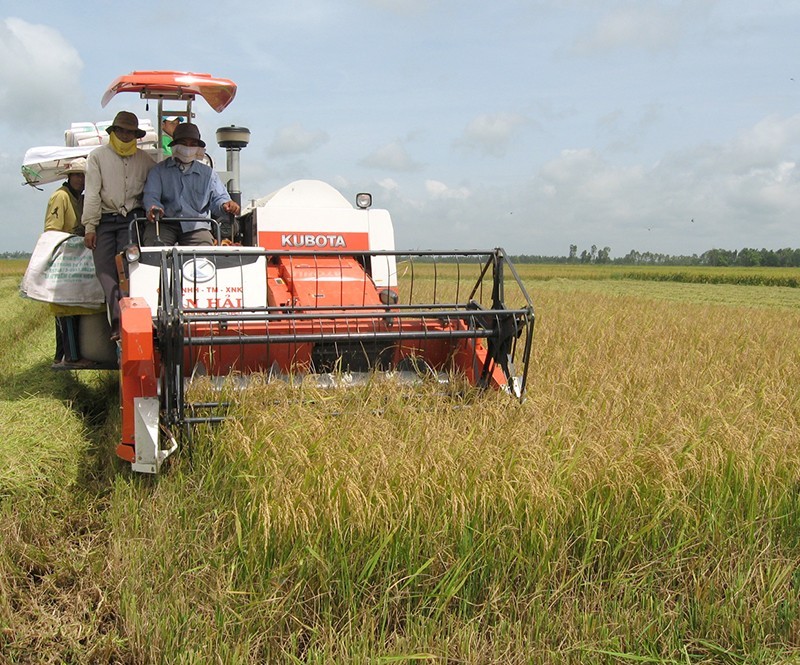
187,153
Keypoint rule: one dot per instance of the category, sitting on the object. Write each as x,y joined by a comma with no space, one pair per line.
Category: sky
668,126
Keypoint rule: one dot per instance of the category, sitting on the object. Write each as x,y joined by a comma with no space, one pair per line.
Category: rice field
642,505
751,276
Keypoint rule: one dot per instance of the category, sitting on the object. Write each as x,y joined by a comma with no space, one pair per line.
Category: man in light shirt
115,177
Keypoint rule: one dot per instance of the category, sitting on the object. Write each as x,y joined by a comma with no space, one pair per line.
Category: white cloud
391,157
765,145
294,139
648,26
389,184
740,193
39,75
768,139
644,27
583,186
438,190
491,133
768,192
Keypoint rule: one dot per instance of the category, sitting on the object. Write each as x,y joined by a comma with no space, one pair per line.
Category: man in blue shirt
182,186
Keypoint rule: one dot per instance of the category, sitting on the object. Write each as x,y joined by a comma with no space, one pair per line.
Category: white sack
61,271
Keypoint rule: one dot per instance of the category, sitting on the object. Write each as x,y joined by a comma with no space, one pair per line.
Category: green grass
13,267
743,276
641,506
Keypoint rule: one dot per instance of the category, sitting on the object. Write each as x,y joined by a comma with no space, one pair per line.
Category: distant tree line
778,258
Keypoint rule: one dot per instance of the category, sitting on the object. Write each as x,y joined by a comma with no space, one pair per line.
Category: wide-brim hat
77,165
126,120
186,130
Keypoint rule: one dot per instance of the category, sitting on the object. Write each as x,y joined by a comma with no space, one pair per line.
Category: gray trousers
171,234
112,238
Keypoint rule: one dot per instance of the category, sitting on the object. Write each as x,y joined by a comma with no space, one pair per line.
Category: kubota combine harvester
302,282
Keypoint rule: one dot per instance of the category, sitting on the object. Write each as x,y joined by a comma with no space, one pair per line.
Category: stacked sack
91,134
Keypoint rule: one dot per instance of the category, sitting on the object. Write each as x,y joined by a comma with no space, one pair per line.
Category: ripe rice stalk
640,506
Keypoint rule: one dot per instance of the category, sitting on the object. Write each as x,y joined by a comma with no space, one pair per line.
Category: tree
573,253
748,257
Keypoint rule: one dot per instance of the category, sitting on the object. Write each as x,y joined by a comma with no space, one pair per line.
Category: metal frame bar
177,328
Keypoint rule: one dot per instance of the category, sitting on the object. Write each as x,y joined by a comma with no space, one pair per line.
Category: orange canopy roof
175,85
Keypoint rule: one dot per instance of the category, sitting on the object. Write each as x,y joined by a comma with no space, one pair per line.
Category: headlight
388,296
364,200
132,253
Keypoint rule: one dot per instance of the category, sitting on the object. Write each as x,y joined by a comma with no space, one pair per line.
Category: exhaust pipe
232,139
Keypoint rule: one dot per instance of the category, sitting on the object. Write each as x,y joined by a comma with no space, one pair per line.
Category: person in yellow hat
115,177
64,211
65,207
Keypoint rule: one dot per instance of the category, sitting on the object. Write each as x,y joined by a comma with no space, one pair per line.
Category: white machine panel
219,277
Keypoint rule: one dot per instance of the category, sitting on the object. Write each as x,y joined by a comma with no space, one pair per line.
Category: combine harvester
302,283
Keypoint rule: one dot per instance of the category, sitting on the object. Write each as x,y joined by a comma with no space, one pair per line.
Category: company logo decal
318,241
199,270
314,241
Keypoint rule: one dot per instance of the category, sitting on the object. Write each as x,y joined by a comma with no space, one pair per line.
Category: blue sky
530,125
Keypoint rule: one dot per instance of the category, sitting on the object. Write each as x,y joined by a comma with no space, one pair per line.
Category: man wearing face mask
182,186
115,177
